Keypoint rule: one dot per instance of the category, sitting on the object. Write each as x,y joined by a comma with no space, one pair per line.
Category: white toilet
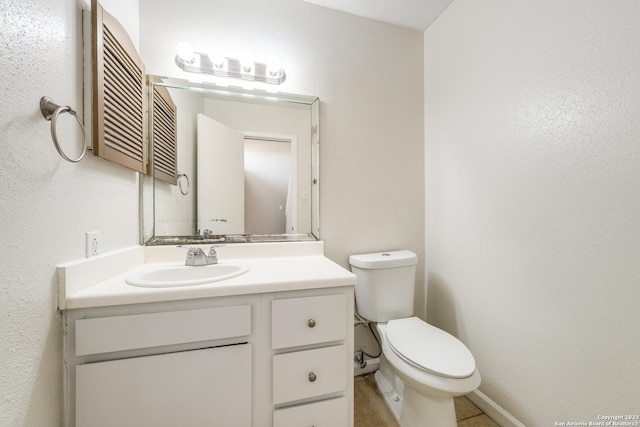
422,367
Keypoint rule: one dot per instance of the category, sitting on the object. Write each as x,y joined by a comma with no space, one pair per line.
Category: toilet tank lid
379,260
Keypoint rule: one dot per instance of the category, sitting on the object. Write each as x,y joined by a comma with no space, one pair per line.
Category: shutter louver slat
124,125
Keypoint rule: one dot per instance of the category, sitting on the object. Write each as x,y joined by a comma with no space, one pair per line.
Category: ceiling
414,14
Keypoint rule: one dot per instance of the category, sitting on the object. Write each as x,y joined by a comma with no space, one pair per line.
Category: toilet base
391,397
419,410
410,408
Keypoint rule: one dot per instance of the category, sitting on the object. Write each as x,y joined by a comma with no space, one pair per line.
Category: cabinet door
208,387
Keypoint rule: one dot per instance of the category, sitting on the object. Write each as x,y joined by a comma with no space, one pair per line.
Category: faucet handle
213,255
212,249
189,260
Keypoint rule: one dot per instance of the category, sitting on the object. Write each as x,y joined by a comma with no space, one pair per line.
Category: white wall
369,77
46,203
533,199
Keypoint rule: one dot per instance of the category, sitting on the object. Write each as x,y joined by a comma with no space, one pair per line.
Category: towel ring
50,110
186,178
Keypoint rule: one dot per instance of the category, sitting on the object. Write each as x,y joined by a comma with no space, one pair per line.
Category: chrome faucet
196,256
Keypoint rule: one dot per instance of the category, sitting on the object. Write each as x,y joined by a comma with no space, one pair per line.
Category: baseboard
493,410
372,366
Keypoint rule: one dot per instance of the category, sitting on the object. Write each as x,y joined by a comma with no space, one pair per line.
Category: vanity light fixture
246,61
185,52
273,65
216,63
216,56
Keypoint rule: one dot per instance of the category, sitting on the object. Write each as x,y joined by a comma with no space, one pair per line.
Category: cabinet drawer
327,413
309,373
310,320
107,334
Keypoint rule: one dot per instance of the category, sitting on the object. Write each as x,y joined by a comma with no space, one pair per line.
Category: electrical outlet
92,241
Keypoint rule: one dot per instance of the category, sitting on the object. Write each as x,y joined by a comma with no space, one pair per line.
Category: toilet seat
429,348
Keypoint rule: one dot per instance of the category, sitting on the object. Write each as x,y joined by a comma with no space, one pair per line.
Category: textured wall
46,203
369,78
533,199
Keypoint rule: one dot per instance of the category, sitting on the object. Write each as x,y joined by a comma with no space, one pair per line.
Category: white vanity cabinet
272,359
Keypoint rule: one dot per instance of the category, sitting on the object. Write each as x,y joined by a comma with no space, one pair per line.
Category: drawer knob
311,323
312,377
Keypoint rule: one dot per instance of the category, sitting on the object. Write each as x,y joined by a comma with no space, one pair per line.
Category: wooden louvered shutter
165,160
119,131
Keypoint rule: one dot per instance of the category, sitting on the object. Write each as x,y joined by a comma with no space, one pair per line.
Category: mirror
247,167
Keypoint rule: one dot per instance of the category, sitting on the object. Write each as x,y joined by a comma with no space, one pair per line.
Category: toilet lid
429,348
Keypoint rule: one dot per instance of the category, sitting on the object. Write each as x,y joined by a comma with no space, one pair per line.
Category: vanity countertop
274,267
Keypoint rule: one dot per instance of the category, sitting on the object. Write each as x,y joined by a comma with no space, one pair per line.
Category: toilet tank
386,282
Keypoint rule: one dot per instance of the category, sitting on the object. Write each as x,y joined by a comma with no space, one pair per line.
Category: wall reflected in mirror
250,161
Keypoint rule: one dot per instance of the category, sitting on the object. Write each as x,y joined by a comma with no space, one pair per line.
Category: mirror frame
262,96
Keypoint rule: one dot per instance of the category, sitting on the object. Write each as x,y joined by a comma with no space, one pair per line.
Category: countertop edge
100,282
83,302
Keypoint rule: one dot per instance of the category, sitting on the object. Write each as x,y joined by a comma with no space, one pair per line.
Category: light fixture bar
231,68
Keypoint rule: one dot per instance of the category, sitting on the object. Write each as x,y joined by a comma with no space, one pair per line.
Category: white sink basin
167,276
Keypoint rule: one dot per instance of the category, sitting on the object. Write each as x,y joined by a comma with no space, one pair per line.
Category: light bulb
273,65
246,61
216,56
185,52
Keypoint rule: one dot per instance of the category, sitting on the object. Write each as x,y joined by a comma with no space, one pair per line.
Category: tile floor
371,411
